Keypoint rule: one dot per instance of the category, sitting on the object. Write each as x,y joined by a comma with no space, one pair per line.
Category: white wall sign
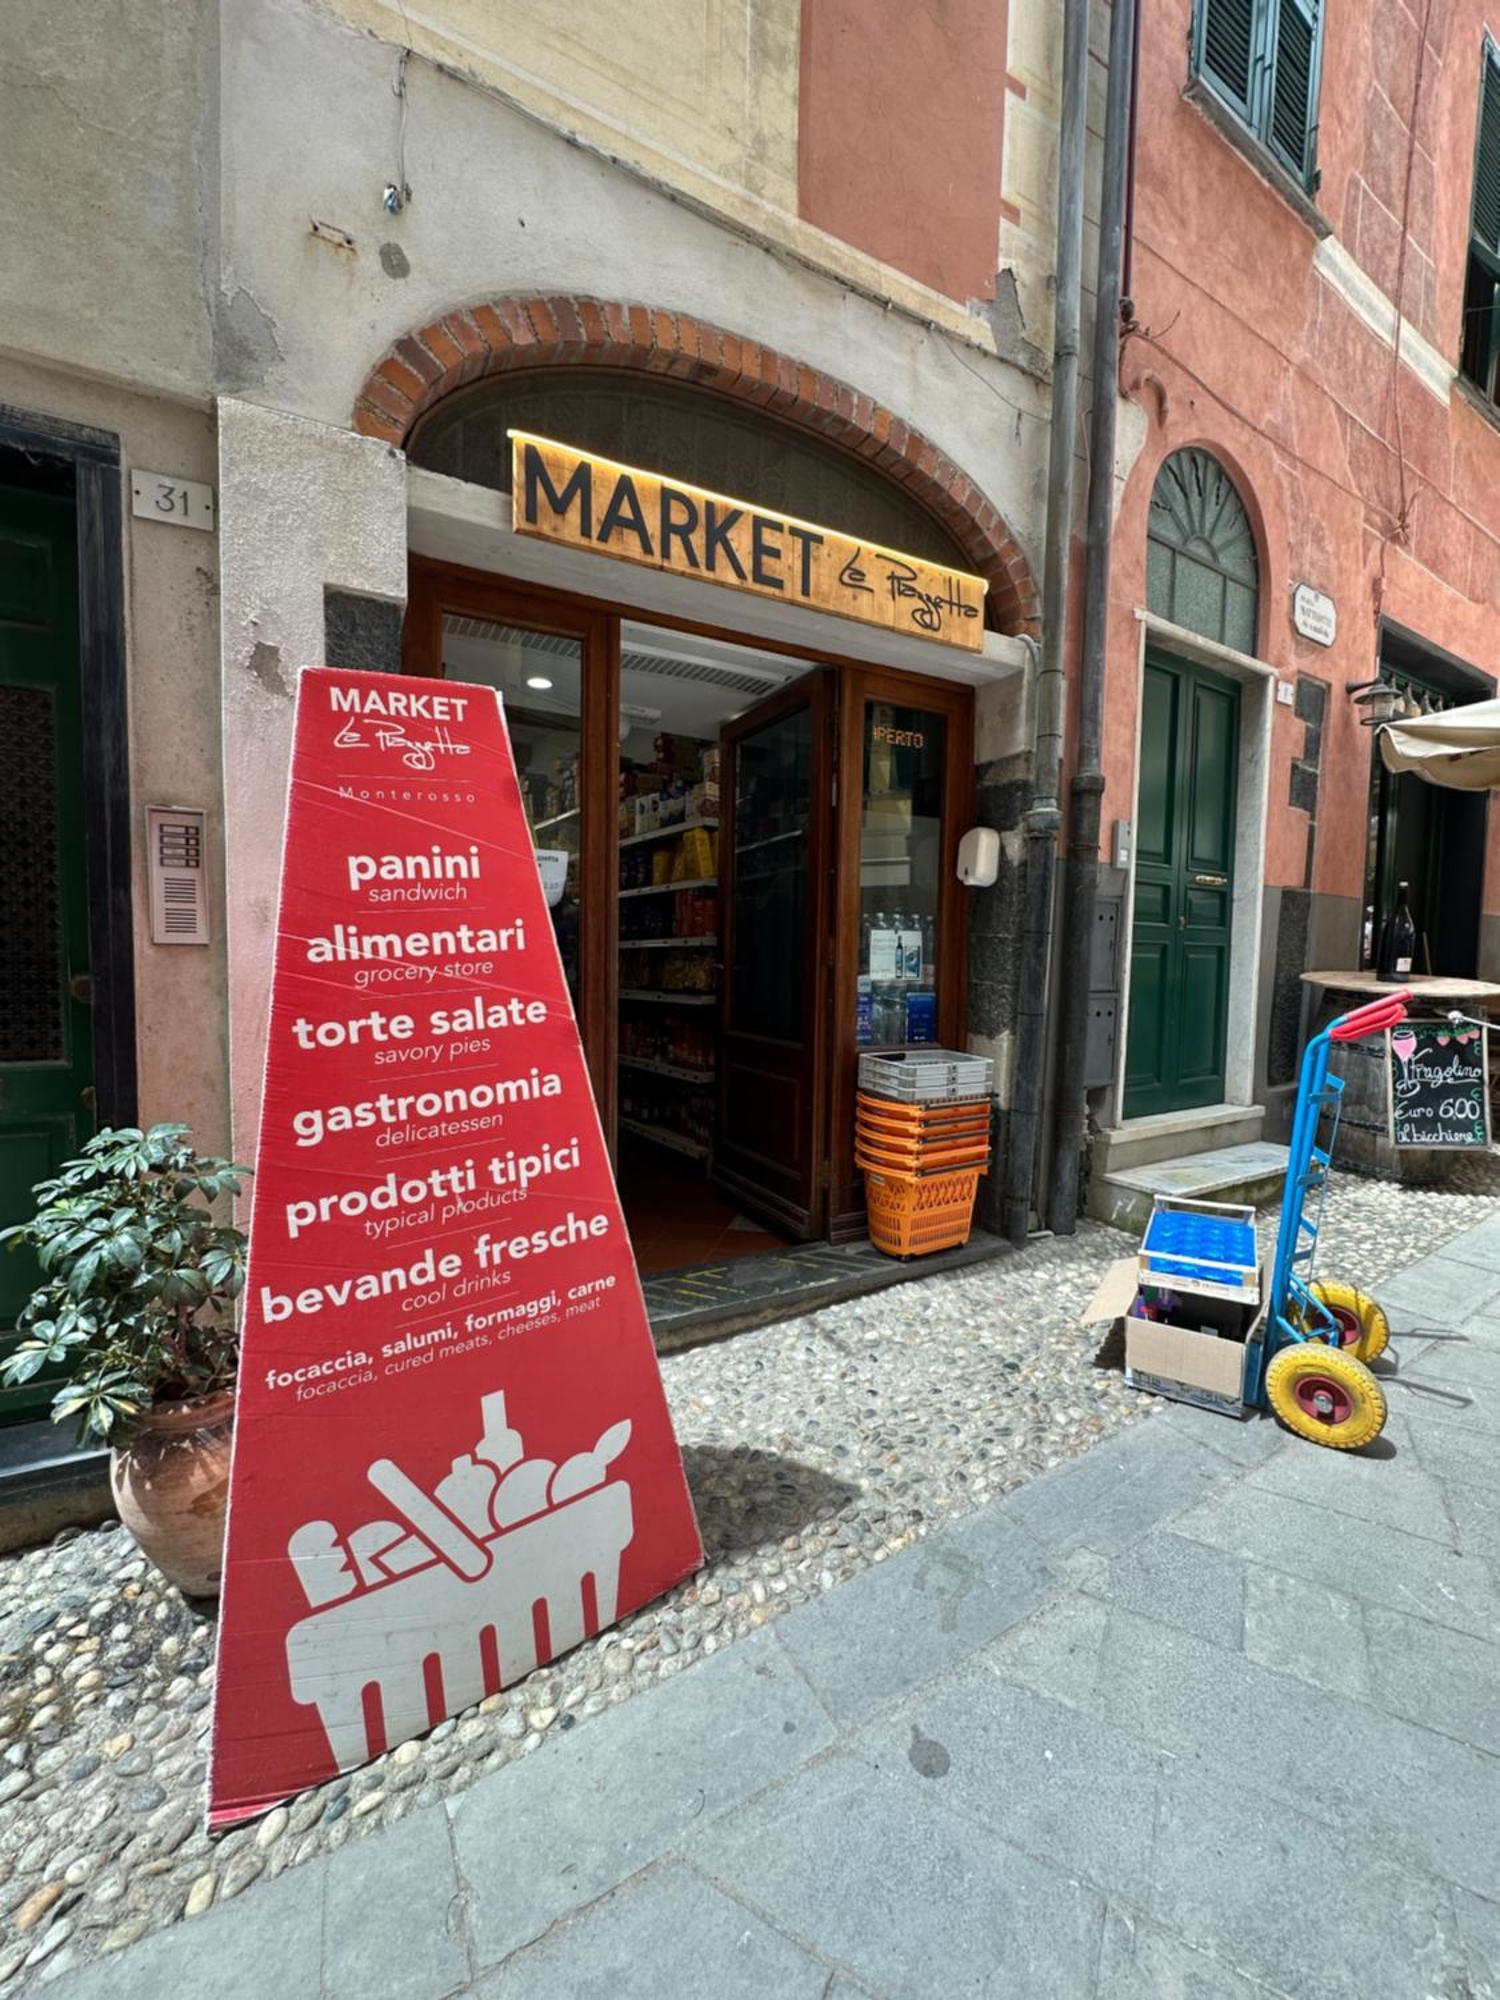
1315,614
182,503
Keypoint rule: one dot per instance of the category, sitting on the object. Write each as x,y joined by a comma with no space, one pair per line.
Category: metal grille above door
32,965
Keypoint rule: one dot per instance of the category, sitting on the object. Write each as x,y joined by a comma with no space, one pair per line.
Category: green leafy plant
138,1278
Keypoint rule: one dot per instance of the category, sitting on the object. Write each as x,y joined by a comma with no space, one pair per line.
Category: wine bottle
1398,941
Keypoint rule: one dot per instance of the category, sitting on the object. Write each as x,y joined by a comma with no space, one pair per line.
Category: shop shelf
677,999
675,1070
666,943
694,1148
666,888
771,840
666,832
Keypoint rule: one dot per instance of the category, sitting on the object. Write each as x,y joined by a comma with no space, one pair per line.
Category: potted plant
135,1312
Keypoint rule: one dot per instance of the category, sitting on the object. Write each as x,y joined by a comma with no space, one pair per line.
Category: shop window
1481,332
1427,836
539,676
1261,58
1201,568
683,433
900,873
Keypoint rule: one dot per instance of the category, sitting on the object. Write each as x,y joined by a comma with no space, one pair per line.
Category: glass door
775,837
905,798
552,666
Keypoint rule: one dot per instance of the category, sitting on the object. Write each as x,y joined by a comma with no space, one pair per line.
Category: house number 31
181,503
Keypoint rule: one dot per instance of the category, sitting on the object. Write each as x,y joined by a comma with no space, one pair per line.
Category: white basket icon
437,1608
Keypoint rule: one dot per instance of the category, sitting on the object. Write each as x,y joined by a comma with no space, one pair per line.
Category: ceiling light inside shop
538,681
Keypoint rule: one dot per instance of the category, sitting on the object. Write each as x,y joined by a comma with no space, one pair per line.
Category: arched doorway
754,838
1203,577
494,337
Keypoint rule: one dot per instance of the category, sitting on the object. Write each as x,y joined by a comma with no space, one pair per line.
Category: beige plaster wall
107,114
702,95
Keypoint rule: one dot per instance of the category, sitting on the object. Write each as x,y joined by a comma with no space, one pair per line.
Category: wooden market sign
574,497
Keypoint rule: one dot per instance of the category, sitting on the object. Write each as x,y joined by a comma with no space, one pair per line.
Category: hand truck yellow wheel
1325,1394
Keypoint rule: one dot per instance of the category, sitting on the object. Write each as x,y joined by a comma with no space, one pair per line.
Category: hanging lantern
1376,701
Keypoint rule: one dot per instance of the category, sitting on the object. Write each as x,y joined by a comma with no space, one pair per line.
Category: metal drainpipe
1045,817
1082,875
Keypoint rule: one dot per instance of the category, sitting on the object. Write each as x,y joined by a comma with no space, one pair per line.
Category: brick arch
472,342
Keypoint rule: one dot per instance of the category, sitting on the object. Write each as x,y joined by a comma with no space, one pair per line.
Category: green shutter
1294,84
1226,46
1487,159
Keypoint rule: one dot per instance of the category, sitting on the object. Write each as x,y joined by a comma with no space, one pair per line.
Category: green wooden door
45,1047
1184,889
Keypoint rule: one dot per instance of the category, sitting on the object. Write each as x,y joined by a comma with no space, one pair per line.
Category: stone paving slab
606,1802
1338,1760
1110,1497
1440,1291
1063,1787
1367,1485
615,1950
905,1620
1376,1564
1175,1720
1177,1582
1139,1961
912,1898
1284,1898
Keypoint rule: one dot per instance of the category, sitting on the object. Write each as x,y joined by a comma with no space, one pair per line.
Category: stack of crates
922,1137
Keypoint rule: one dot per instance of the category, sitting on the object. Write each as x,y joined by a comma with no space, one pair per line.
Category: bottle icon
1398,940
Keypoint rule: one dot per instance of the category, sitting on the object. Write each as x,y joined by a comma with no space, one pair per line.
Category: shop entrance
750,861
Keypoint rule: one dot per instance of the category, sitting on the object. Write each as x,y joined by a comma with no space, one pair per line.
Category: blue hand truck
1321,1335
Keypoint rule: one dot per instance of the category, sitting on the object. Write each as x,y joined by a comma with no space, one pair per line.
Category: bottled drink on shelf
1398,941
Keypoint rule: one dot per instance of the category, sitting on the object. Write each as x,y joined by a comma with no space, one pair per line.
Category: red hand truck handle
1372,1019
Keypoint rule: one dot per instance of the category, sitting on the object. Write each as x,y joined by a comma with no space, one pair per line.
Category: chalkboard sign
1439,1084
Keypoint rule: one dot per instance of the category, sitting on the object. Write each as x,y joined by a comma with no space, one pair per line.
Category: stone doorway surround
1215,1152
1257,682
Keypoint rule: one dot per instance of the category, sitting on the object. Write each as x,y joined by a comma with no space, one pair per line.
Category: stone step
1254,1172
1174,1135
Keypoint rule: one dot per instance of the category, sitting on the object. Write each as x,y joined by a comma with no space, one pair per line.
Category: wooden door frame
94,457
435,585
817,689
438,587
955,702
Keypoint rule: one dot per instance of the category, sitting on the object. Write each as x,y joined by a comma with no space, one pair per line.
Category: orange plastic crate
945,1135
919,1159
913,1215
923,1117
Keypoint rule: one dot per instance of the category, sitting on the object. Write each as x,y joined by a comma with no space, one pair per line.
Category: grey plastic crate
927,1076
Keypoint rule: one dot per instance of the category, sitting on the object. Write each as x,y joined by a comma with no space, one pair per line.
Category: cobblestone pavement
815,1448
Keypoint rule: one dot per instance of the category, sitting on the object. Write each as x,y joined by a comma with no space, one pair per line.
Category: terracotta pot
170,1480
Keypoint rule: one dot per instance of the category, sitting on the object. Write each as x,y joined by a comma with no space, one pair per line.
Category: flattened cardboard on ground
1181,1362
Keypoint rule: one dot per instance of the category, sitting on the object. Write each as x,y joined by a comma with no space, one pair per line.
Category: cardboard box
1184,1360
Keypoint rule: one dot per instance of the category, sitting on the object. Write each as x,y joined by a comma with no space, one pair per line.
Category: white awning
1459,748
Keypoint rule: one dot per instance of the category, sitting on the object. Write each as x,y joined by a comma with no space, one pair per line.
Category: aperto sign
583,501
